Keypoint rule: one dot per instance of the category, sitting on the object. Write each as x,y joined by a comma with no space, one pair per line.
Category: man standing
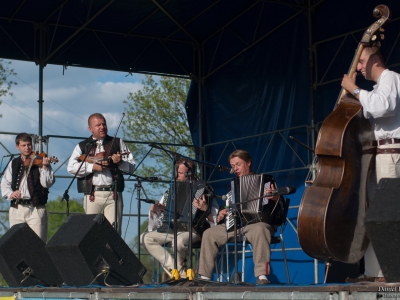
381,106
26,185
100,175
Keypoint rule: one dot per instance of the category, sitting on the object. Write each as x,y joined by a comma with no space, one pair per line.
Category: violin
98,158
36,159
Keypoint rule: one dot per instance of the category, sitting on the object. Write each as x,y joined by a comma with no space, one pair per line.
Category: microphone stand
65,195
175,157
5,168
233,206
116,224
236,276
189,270
138,188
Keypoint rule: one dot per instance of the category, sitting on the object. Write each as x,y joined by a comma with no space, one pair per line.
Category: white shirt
47,179
104,177
382,105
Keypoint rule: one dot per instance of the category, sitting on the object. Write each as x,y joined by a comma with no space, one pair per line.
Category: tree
57,213
4,206
5,84
157,114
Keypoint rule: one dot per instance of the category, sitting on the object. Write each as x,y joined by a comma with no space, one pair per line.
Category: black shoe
364,278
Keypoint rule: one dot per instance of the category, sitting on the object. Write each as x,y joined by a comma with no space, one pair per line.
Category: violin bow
115,135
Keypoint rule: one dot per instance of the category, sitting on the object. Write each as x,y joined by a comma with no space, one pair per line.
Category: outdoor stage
194,290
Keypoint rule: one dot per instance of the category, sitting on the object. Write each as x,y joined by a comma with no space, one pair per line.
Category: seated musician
258,234
96,176
153,241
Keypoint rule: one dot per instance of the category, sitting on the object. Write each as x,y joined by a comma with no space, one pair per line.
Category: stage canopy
261,70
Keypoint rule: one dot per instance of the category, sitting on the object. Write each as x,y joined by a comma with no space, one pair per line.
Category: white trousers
154,241
35,217
104,203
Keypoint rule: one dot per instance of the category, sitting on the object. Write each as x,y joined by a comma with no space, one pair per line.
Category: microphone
223,197
223,168
153,178
155,202
286,190
92,143
9,155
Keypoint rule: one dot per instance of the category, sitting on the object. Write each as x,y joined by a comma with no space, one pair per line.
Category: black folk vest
37,192
85,184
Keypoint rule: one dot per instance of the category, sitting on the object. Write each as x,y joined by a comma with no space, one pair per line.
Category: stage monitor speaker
24,260
87,250
383,226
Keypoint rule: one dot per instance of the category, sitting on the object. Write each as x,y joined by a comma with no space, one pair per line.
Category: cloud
68,101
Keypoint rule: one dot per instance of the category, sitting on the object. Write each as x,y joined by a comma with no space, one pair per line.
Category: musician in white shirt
154,241
101,178
381,107
25,184
258,234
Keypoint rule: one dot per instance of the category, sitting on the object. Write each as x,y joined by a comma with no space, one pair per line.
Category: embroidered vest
85,184
38,194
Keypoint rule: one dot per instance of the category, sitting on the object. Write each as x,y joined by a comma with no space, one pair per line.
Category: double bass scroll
333,206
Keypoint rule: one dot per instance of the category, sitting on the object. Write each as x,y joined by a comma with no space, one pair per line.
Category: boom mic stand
174,156
138,188
65,195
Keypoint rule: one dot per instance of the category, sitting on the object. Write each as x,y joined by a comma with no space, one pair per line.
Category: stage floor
198,290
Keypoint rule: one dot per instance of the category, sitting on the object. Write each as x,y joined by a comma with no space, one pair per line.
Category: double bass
332,209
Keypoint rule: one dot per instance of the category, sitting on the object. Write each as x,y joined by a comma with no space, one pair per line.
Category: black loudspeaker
24,260
383,226
87,250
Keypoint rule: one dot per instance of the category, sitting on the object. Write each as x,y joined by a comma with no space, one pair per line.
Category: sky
69,99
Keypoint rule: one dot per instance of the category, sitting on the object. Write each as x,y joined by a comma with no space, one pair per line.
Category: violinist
99,176
26,185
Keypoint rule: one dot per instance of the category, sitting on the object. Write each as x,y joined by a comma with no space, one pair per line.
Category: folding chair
274,240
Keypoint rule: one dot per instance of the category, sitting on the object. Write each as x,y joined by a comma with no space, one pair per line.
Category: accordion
184,191
248,191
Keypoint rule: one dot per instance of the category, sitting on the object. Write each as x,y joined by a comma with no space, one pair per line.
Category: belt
387,150
21,201
388,141
102,188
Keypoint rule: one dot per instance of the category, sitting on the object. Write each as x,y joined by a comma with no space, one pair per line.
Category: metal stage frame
212,292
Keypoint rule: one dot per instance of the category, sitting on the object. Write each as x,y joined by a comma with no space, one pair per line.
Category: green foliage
4,206
157,114
57,213
5,72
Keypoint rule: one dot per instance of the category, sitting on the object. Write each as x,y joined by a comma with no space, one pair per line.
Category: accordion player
248,195
258,233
